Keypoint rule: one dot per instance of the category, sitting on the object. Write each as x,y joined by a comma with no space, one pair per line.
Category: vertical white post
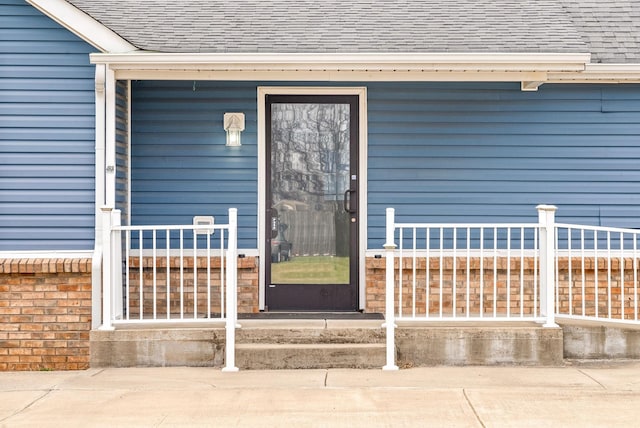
107,269
232,291
546,219
110,138
116,266
389,315
96,270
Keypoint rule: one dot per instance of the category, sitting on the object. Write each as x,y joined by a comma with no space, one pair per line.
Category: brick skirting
208,296
45,314
618,301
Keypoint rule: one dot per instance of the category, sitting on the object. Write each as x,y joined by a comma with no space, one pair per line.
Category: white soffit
83,26
396,62
531,69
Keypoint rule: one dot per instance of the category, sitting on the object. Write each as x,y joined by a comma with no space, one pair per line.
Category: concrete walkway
577,395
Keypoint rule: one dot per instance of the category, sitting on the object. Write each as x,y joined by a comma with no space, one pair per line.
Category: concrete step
270,356
310,332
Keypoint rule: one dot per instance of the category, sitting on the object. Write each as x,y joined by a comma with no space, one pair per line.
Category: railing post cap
106,208
390,246
544,207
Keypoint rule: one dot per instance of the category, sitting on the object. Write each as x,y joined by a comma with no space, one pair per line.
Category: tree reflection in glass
310,154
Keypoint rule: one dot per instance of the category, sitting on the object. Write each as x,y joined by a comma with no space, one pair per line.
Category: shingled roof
609,30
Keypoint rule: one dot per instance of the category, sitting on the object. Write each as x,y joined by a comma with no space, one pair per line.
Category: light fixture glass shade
234,125
233,138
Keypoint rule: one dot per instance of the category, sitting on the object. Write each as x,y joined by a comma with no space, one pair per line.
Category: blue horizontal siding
180,164
489,152
47,135
440,152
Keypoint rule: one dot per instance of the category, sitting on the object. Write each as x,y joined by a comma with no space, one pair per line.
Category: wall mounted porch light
234,125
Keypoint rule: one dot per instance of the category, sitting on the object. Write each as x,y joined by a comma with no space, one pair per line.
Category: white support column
107,270
110,138
546,219
96,269
232,292
389,315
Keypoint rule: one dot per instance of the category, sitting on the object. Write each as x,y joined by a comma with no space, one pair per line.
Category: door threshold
274,315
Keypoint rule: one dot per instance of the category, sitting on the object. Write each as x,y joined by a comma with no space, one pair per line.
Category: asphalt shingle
610,30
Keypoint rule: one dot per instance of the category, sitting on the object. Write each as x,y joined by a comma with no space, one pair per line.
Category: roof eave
530,69
383,61
83,25
604,73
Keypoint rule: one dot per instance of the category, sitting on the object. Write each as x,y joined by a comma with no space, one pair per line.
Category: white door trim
361,92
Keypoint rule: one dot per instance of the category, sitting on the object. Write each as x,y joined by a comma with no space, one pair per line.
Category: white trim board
61,254
361,92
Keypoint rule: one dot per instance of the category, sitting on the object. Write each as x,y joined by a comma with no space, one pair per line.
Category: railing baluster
495,272
222,275
455,265
621,276
536,295
570,267
595,268
609,314
195,274
168,244
140,271
400,269
155,312
441,268
635,276
584,290
127,267
413,277
467,308
428,256
508,272
481,272
208,239
181,273
522,230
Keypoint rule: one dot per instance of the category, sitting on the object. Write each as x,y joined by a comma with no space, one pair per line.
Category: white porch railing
171,274
597,273
509,272
469,272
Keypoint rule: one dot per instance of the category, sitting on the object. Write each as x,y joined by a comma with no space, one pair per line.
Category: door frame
361,92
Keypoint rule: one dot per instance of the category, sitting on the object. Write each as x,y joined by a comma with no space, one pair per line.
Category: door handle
347,201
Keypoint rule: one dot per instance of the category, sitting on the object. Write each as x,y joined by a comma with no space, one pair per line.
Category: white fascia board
447,62
82,25
601,73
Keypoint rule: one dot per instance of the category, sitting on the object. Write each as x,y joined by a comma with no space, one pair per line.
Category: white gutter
606,73
82,25
345,61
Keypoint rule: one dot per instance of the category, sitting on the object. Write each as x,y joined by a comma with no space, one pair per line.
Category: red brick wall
45,314
247,286
571,277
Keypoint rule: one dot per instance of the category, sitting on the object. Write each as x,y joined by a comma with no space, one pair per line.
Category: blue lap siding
47,134
441,152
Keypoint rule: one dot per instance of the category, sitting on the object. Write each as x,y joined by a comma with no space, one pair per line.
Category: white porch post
110,138
96,269
389,315
232,292
546,219
107,270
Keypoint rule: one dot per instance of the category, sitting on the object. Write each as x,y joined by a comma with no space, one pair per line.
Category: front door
311,202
